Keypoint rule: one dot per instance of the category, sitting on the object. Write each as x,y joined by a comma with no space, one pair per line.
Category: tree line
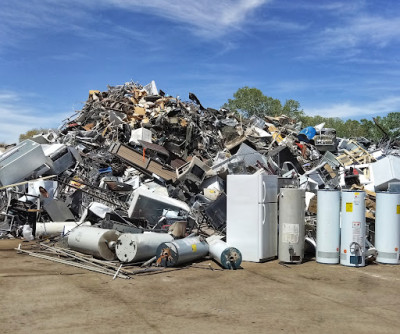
251,101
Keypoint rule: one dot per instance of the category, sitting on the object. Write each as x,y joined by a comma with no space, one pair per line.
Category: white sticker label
357,237
290,233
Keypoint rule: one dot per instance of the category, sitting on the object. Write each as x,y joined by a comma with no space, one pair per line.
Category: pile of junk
138,177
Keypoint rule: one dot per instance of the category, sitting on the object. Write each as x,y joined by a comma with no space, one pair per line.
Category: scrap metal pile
137,173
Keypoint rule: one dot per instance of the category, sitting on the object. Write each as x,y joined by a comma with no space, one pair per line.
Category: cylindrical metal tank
291,225
94,241
173,253
227,257
387,227
328,226
139,247
352,248
55,228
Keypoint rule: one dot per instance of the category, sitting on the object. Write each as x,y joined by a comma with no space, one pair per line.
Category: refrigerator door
243,216
267,188
268,236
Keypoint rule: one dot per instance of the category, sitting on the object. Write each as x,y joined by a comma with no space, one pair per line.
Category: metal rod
74,264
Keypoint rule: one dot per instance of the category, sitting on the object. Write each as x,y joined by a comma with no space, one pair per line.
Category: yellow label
194,248
398,209
349,207
356,194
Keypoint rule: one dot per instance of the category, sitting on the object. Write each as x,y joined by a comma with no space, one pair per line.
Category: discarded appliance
352,247
328,226
174,253
150,206
139,247
387,227
252,215
385,171
94,241
195,170
30,159
227,257
55,228
325,140
291,225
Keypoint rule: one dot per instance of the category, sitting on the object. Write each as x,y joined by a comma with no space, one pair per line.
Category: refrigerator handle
264,191
263,213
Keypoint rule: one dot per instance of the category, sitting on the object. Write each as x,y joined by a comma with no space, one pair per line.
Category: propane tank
173,253
94,241
227,257
387,227
291,225
139,247
352,249
328,226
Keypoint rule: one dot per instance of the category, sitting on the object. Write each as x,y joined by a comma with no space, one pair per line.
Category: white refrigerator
251,222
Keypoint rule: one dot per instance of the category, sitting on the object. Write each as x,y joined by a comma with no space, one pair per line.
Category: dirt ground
38,296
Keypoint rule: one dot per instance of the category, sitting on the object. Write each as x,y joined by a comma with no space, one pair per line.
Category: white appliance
251,223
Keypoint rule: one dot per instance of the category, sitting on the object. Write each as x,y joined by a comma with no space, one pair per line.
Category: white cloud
357,33
206,18
351,110
18,116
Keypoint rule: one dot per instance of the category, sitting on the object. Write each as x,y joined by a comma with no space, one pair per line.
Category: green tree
31,133
251,101
292,109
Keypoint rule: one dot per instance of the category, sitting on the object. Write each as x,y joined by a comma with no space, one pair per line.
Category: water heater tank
176,252
328,226
94,241
387,227
291,225
139,247
353,233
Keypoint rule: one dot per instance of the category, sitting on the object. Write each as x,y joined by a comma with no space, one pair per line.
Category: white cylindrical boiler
387,227
353,232
56,228
139,247
227,257
328,226
94,241
291,225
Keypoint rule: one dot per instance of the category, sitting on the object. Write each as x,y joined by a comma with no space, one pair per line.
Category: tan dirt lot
38,296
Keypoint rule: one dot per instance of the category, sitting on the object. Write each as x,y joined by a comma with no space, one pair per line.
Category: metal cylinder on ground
174,253
56,228
328,226
387,227
94,241
139,247
227,257
291,225
353,232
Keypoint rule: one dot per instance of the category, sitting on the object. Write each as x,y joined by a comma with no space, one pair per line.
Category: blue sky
337,58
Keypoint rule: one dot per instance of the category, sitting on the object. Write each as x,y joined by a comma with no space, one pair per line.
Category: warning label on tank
357,237
194,248
349,207
290,233
398,209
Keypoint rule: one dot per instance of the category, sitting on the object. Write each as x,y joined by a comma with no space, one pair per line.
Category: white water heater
291,225
353,233
94,241
328,226
387,227
139,247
